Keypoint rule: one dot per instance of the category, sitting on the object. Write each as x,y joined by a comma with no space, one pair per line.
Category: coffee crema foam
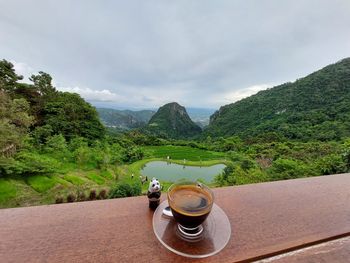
190,200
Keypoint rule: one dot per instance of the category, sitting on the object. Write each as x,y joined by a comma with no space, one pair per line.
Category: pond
171,172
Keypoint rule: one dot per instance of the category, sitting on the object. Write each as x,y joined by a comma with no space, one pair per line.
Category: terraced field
41,189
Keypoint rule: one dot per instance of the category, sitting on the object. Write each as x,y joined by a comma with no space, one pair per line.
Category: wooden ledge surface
266,219
337,250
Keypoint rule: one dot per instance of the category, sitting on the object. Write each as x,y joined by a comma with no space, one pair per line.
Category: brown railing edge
294,248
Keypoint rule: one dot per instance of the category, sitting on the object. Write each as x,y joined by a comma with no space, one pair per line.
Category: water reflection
171,172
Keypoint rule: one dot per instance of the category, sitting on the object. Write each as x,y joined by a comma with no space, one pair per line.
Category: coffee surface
190,199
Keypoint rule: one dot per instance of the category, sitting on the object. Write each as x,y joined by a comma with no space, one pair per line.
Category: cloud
23,69
245,92
94,95
199,53
129,96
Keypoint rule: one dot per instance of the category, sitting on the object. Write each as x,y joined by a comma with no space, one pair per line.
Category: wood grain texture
266,219
332,251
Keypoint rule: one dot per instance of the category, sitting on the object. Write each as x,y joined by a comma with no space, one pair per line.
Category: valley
56,147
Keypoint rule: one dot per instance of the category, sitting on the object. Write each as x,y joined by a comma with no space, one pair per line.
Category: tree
42,82
132,154
331,164
14,122
8,76
71,116
125,190
346,153
57,146
41,134
283,169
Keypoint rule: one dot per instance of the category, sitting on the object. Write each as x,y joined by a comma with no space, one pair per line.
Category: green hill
172,120
316,107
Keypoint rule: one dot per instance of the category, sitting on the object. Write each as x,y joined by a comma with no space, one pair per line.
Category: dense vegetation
312,108
172,121
284,160
52,140
53,147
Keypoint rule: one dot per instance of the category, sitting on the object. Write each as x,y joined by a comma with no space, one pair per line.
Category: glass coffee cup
190,203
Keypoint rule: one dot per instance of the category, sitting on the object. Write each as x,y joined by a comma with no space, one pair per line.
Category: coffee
190,204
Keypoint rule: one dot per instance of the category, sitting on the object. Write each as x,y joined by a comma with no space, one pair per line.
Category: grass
60,180
38,190
16,192
76,180
7,190
200,163
96,178
107,174
41,183
182,152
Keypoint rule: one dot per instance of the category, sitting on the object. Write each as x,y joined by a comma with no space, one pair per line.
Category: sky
142,54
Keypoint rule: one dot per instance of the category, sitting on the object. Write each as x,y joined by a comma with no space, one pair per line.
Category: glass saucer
215,236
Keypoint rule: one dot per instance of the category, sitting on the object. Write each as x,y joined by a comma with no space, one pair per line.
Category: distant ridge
124,119
316,107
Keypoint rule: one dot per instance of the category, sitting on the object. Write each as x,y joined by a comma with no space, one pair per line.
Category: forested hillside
53,145
38,112
172,121
312,108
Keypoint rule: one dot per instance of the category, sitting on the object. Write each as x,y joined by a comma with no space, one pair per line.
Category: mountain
316,107
172,120
124,119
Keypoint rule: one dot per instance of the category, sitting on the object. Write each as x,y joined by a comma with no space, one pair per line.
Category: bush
102,194
9,166
125,190
56,144
236,175
283,169
77,142
84,157
41,133
228,176
107,174
132,154
59,200
331,164
71,198
28,163
81,196
247,164
92,195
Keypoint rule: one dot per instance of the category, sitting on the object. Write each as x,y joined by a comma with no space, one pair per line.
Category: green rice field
181,152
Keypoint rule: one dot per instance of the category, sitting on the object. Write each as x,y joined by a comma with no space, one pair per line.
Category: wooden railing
267,219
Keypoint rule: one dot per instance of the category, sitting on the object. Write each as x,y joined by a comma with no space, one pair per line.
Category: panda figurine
154,193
